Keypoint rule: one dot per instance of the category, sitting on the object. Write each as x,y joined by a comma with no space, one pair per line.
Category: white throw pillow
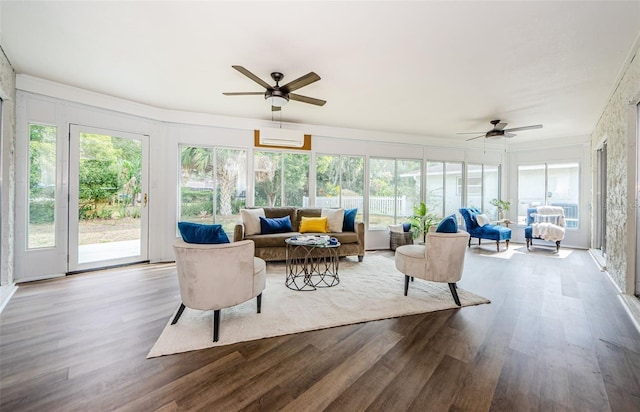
396,228
334,219
482,219
251,220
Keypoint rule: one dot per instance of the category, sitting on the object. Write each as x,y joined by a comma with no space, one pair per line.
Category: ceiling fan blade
252,77
276,108
243,93
500,126
515,129
469,132
305,99
475,137
300,82
509,135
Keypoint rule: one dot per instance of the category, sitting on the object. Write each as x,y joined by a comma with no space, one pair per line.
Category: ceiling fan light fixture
276,98
277,101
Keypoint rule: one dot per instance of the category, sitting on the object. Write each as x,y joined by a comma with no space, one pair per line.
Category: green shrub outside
195,202
196,209
42,211
194,196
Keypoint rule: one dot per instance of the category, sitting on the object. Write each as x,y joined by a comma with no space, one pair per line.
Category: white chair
546,223
440,259
217,276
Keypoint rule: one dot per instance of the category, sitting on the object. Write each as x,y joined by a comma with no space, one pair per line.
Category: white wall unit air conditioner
280,138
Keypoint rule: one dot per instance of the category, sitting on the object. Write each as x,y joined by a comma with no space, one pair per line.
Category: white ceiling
421,67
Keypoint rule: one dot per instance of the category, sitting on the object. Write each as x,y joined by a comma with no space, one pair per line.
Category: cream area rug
368,290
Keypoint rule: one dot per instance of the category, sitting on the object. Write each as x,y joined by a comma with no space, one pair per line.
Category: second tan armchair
217,276
441,260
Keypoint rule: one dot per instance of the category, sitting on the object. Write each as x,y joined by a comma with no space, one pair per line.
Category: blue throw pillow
202,234
406,227
275,225
349,221
448,225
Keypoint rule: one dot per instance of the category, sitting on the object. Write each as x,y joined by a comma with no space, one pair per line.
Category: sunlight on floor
547,252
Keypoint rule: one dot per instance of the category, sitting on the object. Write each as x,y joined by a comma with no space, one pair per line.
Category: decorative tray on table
313,240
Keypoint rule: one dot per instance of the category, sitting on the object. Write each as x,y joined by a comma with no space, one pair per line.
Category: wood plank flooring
555,337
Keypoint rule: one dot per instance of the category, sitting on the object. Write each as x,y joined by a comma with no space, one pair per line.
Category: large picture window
213,185
474,186
281,178
444,187
340,182
483,185
435,188
394,189
553,184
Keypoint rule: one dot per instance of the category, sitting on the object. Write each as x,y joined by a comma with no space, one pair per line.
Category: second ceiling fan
278,95
499,130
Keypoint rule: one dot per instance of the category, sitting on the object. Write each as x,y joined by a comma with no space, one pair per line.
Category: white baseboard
6,291
631,304
598,258
40,277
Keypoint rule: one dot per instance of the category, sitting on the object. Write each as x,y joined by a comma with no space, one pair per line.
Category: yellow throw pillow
313,224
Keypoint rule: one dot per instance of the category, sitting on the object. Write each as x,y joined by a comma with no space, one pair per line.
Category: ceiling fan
277,96
499,130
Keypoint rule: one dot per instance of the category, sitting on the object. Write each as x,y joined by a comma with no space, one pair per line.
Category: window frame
214,177
420,182
56,185
342,158
484,201
281,153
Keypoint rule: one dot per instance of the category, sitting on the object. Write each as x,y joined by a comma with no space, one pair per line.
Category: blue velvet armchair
491,232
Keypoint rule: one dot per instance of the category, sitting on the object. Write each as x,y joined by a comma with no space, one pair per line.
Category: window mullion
482,187
214,179
546,184
444,187
395,191
340,180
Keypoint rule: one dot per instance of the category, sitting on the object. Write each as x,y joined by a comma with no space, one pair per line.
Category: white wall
52,103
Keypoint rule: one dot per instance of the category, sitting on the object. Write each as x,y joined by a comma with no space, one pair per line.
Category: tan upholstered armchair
442,260
216,276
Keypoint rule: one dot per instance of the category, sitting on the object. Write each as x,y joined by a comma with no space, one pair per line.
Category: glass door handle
144,201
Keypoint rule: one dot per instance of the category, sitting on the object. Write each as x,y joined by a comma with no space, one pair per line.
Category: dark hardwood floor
555,337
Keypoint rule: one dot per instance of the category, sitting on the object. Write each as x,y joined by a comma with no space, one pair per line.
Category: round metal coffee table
311,264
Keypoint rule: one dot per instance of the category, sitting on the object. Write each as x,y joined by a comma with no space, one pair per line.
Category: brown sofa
271,247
